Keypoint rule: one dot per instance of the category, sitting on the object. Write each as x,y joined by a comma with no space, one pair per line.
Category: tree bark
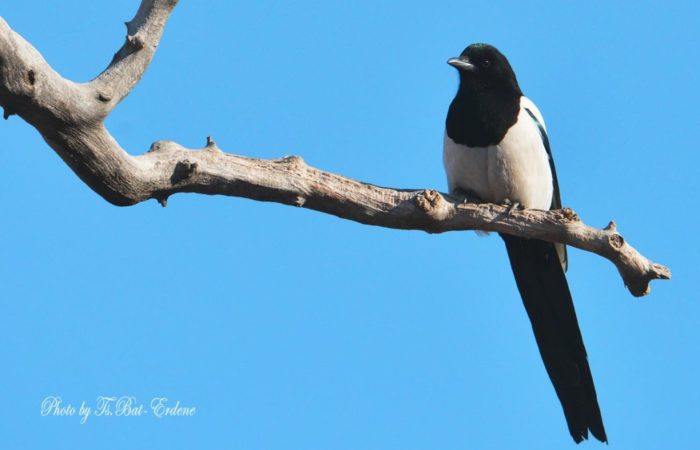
70,117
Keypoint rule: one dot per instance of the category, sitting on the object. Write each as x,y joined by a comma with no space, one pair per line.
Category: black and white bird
496,150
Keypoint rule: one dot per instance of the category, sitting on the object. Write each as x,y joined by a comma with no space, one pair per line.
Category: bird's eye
485,63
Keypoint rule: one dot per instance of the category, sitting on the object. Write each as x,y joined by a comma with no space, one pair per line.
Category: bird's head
483,67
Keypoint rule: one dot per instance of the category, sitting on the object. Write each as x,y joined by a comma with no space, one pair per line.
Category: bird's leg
467,196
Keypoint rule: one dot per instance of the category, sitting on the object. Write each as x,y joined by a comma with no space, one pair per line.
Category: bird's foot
512,206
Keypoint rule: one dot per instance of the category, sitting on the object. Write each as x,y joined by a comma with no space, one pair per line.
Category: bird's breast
517,168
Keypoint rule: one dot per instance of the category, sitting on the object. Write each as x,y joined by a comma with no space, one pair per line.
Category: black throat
480,116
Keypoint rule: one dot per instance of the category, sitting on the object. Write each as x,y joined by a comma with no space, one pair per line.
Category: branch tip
612,226
211,144
662,272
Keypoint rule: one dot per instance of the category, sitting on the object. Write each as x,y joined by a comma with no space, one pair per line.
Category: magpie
496,150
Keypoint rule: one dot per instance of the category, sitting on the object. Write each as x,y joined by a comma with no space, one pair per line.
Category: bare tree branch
70,117
132,60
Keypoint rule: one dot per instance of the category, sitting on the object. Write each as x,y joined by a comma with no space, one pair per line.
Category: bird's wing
556,195
533,110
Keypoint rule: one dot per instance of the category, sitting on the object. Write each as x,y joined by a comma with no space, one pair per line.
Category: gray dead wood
70,117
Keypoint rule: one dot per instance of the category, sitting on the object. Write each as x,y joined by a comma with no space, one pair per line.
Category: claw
512,206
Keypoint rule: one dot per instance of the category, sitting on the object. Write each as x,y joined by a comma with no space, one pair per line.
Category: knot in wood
433,204
183,170
104,98
156,147
569,215
616,241
294,161
428,200
134,42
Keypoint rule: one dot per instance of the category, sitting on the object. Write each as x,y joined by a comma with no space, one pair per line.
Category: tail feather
545,293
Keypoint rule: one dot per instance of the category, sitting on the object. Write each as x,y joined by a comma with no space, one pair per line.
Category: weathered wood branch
70,117
143,34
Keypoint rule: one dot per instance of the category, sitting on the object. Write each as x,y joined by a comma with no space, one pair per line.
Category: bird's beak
461,63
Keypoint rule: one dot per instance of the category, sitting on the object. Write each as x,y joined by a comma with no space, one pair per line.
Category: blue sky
290,329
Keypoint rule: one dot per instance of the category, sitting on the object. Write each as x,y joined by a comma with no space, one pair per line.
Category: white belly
517,169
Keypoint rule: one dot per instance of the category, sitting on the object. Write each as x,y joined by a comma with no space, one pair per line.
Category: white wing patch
526,103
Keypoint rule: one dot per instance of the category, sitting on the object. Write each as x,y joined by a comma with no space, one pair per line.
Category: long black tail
545,293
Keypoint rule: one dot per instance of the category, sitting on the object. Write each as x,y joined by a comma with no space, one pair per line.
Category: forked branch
70,117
